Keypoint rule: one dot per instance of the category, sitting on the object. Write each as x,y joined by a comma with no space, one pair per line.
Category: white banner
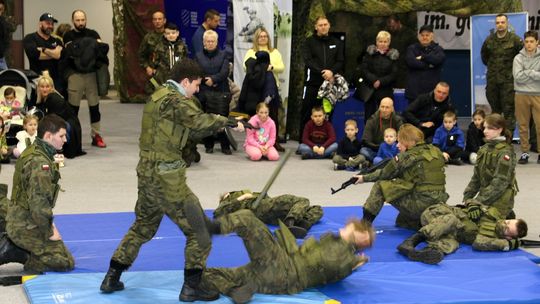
452,33
249,15
283,26
533,8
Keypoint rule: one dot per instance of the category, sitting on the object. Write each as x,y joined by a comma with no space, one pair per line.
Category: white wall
98,14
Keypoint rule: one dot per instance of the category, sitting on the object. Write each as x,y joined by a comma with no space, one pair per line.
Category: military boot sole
190,294
428,256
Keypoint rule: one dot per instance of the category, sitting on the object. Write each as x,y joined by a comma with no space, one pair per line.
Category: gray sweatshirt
526,70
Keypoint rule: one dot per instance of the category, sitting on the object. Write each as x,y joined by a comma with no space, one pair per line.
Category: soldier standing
33,238
493,182
498,52
169,119
411,182
148,46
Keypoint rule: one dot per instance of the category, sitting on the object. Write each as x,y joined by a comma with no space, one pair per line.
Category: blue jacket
387,151
446,140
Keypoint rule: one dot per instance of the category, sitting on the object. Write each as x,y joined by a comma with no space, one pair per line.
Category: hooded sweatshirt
526,70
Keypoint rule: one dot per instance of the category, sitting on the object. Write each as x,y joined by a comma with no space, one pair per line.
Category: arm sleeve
277,62
412,62
144,52
40,189
249,54
221,76
305,135
308,58
484,243
409,115
331,135
389,78
30,46
484,52
271,134
474,185
340,58
436,57
502,179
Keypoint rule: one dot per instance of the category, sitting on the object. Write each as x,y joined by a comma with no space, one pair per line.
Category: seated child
10,104
27,136
388,147
319,137
348,150
475,137
260,142
450,139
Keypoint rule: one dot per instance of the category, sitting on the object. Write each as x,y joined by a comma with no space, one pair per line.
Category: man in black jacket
427,111
323,56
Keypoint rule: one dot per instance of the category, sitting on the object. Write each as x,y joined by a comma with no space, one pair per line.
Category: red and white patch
396,158
506,157
45,167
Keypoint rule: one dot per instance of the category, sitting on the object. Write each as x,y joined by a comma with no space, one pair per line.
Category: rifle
272,178
530,243
363,171
233,122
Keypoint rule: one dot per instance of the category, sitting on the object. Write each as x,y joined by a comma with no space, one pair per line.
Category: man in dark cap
424,59
43,50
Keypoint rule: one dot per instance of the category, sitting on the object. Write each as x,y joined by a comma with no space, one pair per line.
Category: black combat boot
192,291
111,282
428,255
410,244
244,293
297,231
11,253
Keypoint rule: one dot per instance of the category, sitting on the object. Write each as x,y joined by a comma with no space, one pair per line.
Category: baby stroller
21,82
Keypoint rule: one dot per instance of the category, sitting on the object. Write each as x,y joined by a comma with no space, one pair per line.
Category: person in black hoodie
475,137
259,84
324,56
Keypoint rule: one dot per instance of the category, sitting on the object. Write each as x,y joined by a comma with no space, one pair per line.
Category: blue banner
481,27
189,15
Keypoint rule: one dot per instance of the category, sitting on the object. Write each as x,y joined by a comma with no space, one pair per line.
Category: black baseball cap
426,27
47,17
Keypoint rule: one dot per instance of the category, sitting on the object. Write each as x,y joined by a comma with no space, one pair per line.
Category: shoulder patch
506,157
45,167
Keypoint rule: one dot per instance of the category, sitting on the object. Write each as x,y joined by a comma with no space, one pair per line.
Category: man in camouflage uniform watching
148,45
498,52
411,182
33,238
444,227
169,119
279,266
294,211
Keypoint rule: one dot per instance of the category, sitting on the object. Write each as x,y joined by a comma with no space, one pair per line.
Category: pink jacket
266,135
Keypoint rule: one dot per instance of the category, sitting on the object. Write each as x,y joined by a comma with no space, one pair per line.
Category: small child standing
388,148
168,51
27,136
450,139
260,142
318,137
475,137
348,150
10,104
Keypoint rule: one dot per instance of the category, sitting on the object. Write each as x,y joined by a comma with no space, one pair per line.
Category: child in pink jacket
260,142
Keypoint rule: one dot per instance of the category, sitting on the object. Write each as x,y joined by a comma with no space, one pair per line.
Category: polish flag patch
45,167
506,157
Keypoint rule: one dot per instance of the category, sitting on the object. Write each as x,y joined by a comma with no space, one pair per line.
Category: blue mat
388,277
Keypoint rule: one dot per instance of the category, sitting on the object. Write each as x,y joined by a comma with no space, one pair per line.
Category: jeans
305,149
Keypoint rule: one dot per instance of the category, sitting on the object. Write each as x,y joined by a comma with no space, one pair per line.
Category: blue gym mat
466,276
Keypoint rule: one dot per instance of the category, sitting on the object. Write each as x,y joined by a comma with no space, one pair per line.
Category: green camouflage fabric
498,55
4,201
491,228
494,178
411,182
271,210
30,216
147,48
278,265
355,162
167,122
166,54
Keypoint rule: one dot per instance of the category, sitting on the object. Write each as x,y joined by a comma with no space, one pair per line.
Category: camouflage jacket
165,55
147,47
498,55
490,235
35,189
494,172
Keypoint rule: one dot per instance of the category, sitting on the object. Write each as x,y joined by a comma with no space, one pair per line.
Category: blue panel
457,72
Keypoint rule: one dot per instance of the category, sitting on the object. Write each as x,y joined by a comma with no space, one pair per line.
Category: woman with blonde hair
51,102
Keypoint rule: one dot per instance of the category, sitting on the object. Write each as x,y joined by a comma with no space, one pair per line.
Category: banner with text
451,32
283,30
482,26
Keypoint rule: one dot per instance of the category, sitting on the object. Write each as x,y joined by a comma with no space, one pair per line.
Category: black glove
232,122
474,212
514,244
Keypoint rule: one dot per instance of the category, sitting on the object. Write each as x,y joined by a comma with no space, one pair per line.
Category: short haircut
186,68
210,14
50,123
533,34
171,26
158,11
450,114
28,118
317,109
522,228
321,17
395,18
210,33
351,122
363,226
77,11
410,133
261,105
383,35
501,15
479,112
443,84
9,91
390,130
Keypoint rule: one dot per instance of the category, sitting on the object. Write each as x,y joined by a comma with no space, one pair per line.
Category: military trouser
288,207
501,100
505,203
409,202
440,227
270,268
355,162
45,255
3,206
162,190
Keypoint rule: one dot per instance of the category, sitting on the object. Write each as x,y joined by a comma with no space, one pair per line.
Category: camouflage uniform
146,54
278,265
498,55
271,210
29,215
411,182
169,119
490,235
494,179
166,54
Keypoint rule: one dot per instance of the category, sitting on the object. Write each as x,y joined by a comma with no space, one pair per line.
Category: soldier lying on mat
294,211
278,265
444,227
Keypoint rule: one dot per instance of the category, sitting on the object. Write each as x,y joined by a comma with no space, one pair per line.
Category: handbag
363,91
216,102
